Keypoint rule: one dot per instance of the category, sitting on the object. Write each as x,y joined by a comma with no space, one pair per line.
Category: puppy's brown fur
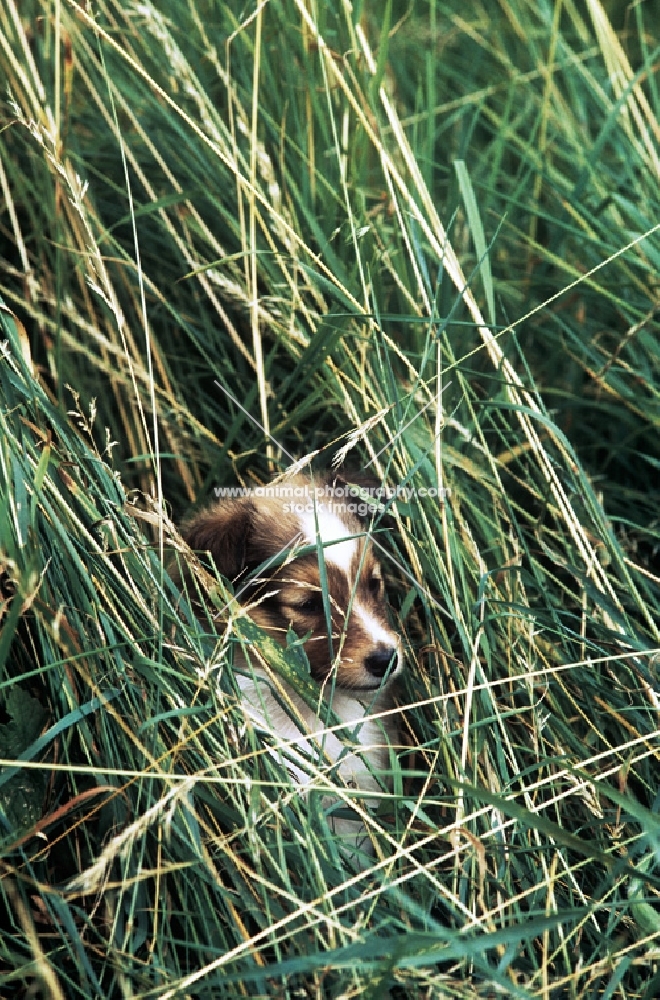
251,540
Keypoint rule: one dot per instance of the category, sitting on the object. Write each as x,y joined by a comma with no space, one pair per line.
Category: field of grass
423,236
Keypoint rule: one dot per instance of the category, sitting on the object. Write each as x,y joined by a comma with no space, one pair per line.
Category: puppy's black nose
378,662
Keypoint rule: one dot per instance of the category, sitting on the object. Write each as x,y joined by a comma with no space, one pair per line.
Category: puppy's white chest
312,750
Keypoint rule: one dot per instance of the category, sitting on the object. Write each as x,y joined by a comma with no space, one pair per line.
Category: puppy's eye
375,585
313,604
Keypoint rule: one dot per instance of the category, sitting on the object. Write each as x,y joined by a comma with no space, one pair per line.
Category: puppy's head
254,539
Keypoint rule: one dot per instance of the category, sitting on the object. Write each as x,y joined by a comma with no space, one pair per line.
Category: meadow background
425,233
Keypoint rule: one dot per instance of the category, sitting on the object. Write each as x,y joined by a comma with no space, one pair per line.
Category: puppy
267,543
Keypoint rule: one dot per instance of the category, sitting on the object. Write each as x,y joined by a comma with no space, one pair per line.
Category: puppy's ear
354,477
224,530
370,485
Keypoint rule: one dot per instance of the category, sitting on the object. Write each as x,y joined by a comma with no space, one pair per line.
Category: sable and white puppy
355,669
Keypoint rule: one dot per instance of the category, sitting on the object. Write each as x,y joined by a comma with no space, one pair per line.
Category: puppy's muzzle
384,660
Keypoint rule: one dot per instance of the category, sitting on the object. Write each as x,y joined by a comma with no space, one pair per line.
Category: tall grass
423,236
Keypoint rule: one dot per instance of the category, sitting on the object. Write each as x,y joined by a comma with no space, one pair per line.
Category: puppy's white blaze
331,528
376,631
